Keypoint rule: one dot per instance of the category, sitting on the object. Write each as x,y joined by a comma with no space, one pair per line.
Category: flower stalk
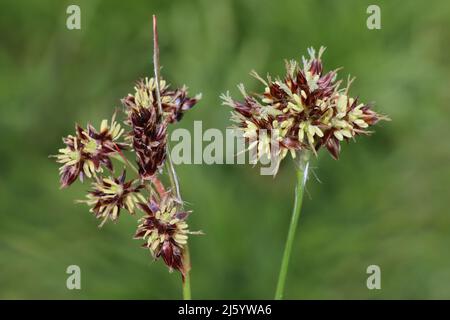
302,176
169,164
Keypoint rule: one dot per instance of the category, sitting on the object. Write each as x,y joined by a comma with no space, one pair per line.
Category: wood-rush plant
299,114
87,154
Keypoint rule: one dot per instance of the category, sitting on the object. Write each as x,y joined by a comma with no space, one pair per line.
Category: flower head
305,110
110,195
88,150
149,128
179,103
173,102
149,138
165,231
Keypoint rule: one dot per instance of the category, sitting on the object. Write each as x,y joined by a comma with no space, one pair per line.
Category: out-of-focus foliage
384,202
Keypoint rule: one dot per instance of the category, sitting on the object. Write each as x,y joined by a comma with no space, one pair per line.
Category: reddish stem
159,187
155,181
122,155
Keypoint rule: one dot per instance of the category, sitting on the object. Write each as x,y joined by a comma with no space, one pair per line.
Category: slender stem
302,174
156,66
187,277
168,163
121,157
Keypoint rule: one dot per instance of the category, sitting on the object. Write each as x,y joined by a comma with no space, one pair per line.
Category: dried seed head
165,231
305,110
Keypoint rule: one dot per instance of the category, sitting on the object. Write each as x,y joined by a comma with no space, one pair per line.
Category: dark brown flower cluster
305,110
89,151
164,230
109,195
149,128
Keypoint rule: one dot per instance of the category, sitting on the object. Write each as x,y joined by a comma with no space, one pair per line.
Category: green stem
124,160
168,163
187,277
302,174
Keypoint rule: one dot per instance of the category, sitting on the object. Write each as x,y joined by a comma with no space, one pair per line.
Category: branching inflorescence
305,110
87,154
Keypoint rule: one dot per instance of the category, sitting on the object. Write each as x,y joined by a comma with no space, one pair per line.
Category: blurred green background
385,202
